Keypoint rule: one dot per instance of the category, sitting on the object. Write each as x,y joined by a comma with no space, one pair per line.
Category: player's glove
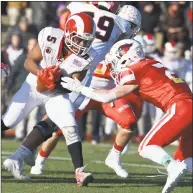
71,84
47,78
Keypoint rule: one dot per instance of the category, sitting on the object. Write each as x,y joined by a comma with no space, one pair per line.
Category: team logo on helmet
124,49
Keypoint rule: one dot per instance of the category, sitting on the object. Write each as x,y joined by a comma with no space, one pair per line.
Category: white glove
71,84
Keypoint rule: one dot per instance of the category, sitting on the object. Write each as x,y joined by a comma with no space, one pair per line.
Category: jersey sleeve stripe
127,79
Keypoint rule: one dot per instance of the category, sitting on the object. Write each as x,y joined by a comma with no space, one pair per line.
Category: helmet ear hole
124,61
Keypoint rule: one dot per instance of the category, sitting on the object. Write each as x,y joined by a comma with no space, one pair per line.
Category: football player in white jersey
127,12
124,29
109,28
131,14
58,53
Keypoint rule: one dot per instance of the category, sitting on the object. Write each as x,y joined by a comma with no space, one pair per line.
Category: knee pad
71,134
46,127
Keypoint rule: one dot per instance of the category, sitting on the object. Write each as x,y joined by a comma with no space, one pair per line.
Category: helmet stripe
79,23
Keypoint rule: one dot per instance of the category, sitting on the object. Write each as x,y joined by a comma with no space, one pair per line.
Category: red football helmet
111,6
79,33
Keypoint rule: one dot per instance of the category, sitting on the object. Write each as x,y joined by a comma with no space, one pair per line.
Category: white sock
125,149
156,154
188,162
40,160
21,153
115,151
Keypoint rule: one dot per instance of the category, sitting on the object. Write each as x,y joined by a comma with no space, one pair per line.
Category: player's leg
45,150
41,132
49,145
23,102
123,114
57,108
184,150
170,127
109,126
20,106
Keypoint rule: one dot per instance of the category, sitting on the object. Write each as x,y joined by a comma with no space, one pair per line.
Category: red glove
56,72
47,78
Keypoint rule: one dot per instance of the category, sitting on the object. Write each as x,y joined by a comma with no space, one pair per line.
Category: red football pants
175,124
124,111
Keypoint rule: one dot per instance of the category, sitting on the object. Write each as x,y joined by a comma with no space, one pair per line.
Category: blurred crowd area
165,25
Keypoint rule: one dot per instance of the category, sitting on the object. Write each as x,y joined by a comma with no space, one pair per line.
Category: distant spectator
150,49
57,8
188,76
150,14
24,29
189,22
14,50
14,10
62,16
17,75
39,15
96,123
174,23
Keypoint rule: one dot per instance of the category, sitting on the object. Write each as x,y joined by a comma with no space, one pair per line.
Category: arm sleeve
105,97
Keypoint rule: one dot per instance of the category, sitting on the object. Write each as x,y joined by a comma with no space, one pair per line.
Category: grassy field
59,175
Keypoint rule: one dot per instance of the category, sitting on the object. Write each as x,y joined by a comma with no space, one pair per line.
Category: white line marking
5,154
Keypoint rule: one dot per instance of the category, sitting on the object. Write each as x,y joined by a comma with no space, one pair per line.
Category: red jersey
103,70
157,84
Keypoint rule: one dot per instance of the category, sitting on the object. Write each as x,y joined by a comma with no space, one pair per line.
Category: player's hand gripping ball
47,78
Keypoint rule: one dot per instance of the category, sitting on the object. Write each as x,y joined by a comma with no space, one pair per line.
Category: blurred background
166,34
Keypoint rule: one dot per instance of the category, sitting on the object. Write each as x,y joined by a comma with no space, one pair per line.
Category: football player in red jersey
158,85
124,111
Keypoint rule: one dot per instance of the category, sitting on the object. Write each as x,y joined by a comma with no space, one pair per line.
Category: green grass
59,175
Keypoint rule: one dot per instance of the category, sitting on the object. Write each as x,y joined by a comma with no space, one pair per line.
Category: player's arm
32,60
100,95
106,96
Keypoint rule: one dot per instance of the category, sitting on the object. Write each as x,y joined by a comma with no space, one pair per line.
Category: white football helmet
172,50
124,53
150,43
132,15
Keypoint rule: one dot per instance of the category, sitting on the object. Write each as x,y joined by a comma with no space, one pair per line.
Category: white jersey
50,41
109,26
